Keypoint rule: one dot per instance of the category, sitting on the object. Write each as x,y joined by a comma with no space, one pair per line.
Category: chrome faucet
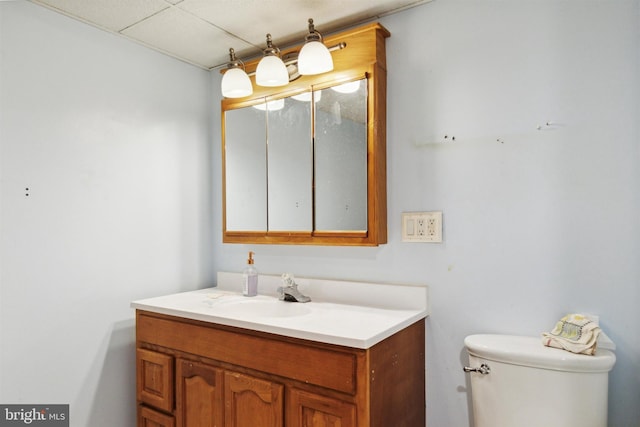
289,291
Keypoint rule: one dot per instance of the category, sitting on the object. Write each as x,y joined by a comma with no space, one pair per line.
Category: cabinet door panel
149,418
155,379
252,402
311,410
199,391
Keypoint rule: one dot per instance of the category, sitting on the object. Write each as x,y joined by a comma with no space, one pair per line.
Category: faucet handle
288,279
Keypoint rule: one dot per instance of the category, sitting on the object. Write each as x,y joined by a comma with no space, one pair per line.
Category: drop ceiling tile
286,20
188,37
113,15
202,31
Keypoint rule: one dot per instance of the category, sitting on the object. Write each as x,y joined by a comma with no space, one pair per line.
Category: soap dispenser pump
250,278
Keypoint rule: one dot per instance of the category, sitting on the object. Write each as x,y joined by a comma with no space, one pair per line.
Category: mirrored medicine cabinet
306,163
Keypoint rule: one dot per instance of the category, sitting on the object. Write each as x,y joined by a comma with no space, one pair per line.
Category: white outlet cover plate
422,227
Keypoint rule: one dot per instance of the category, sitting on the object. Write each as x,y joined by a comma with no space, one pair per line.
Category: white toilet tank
530,385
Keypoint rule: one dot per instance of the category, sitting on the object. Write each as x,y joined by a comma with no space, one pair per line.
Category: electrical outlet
422,227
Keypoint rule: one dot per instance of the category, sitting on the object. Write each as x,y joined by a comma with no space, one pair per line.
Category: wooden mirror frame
363,56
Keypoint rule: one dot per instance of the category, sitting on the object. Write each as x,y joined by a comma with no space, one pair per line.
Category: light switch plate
422,227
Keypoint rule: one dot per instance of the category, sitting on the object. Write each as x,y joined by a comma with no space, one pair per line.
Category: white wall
543,224
113,141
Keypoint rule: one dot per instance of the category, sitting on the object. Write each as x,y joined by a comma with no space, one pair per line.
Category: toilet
518,382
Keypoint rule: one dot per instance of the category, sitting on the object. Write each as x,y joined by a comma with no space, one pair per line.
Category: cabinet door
149,418
154,375
306,409
252,402
198,395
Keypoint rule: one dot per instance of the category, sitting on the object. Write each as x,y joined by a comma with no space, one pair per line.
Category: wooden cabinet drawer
155,379
147,417
301,361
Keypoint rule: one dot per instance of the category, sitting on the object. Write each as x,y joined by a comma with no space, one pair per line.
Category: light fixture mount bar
294,58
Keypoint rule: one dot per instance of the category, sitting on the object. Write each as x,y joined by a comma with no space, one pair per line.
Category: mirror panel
290,164
245,169
341,158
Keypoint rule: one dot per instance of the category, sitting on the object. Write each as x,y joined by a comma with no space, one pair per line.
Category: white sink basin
250,307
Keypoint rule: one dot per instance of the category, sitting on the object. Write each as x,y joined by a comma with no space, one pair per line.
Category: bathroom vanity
214,358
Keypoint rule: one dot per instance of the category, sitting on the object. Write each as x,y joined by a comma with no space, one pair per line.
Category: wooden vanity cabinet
201,374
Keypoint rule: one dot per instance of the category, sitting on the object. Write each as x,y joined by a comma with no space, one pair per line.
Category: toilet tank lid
529,351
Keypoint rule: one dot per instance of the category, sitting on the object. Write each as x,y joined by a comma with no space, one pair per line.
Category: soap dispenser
250,278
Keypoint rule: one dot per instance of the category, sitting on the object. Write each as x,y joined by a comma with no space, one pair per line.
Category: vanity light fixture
271,70
314,57
235,81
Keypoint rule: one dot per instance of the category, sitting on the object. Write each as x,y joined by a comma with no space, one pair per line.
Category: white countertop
334,321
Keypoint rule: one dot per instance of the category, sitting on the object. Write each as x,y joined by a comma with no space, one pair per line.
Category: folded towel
575,333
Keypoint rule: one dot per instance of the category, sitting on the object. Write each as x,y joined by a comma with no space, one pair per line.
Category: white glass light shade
275,105
314,58
271,72
236,84
306,96
349,87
